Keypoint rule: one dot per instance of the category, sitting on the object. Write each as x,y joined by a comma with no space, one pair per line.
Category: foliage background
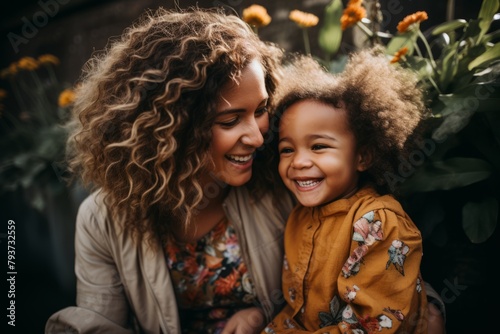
458,269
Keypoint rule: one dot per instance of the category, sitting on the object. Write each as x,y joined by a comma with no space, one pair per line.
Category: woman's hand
247,321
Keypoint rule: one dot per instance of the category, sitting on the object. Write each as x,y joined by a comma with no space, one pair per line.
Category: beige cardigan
118,280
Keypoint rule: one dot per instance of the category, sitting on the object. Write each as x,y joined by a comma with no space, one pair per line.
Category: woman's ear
365,159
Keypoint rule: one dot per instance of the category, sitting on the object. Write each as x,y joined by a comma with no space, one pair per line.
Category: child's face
319,162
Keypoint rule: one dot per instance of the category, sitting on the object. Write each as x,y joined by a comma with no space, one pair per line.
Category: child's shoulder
368,200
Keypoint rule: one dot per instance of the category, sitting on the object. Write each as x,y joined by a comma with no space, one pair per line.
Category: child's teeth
308,183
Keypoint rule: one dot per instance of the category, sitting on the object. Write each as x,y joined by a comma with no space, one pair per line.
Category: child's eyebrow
311,137
320,136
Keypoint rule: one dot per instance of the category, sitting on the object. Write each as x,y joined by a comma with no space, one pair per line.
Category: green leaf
449,26
486,13
448,68
445,175
479,219
482,133
407,39
491,36
492,53
330,34
422,66
472,30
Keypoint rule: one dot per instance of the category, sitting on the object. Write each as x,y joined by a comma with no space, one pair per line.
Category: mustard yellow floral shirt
210,279
352,266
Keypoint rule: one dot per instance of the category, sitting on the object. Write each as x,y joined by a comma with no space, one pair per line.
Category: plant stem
375,18
306,41
365,29
17,94
428,48
450,10
417,48
434,84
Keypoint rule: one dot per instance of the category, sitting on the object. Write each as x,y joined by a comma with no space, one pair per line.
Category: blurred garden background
450,186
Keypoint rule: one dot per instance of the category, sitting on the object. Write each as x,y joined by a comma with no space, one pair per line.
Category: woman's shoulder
92,213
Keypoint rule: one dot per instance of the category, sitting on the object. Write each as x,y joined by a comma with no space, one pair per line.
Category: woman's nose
253,134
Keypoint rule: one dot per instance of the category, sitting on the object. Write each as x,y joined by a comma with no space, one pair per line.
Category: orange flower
48,59
352,13
303,19
400,53
224,285
411,19
66,98
256,16
28,63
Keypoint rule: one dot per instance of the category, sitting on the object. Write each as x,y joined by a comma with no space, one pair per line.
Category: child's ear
365,159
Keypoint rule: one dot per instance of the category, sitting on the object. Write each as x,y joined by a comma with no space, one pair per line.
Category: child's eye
286,150
316,147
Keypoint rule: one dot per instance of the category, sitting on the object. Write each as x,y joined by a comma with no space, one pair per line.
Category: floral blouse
210,279
352,266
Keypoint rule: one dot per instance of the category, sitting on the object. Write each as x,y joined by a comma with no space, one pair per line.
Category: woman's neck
209,211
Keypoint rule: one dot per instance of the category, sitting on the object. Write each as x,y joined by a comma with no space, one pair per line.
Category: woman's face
240,123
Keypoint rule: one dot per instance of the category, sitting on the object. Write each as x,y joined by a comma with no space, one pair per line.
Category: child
353,255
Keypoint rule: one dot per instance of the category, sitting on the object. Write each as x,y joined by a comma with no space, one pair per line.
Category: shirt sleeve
380,282
101,301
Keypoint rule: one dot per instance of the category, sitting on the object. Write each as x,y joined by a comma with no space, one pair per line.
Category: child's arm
381,280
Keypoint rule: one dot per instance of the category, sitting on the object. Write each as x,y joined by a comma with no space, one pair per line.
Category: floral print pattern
352,275
211,280
397,255
366,233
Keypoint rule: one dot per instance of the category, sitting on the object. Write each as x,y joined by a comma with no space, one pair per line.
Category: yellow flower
66,98
48,59
352,13
411,19
27,63
303,19
256,16
400,53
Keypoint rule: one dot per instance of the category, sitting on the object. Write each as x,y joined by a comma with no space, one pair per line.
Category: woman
170,122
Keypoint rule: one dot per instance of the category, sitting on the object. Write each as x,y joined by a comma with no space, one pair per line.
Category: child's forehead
310,105
312,112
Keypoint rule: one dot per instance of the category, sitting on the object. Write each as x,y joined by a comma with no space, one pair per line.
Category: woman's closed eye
227,123
261,111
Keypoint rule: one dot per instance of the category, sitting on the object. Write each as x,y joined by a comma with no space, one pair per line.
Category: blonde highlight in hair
144,111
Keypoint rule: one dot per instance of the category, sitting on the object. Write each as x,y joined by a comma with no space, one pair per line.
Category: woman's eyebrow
239,110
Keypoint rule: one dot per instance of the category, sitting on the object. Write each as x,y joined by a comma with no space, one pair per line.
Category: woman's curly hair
145,109
384,105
